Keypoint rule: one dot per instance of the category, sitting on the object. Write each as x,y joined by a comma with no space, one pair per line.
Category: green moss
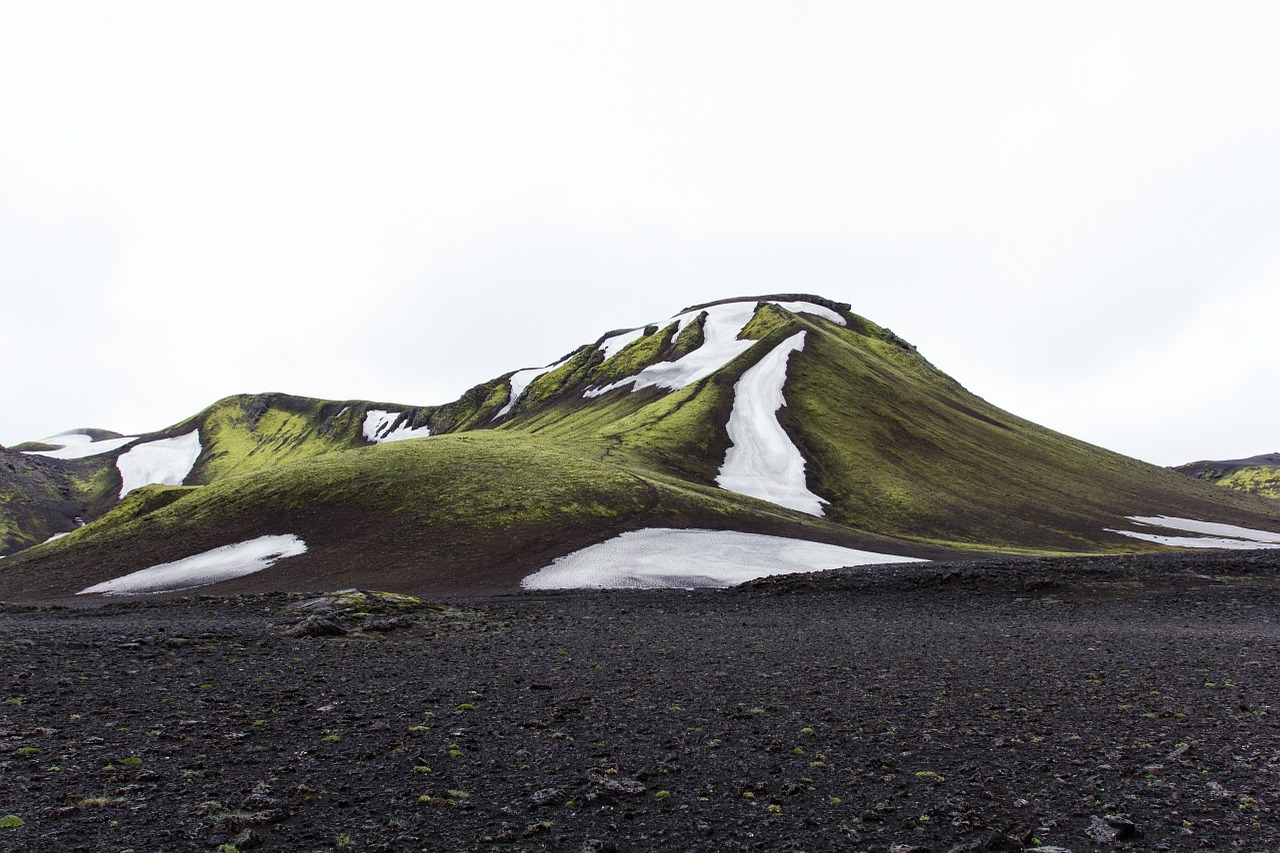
32,447
635,356
242,435
767,320
1262,480
555,382
692,336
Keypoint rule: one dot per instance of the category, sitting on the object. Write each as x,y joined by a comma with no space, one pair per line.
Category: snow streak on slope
522,379
763,462
166,461
720,346
380,428
78,445
659,557
615,344
1222,535
219,564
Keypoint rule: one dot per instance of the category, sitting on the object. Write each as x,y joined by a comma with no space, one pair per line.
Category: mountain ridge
898,456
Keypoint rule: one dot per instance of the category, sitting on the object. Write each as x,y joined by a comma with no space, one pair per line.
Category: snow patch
1219,535
380,427
658,557
522,379
812,308
166,461
615,344
219,564
720,346
78,445
762,461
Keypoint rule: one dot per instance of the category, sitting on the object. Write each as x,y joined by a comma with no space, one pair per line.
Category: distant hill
786,415
1257,475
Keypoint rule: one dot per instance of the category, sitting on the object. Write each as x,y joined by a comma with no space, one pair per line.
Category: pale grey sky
1073,208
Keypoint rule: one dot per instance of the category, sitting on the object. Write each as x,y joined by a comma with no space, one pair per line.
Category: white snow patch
615,344
658,557
811,308
165,461
380,427
78,445
522,379
219,564
762,461
56,536
1220,535
720,346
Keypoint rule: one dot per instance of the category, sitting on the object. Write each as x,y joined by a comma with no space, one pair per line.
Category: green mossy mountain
1256,475
907,461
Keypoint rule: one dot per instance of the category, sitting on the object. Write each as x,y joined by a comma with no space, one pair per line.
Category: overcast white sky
1073,208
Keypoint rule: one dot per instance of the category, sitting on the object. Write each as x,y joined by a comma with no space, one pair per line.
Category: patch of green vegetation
768,319
11,821
247,434
692,336
1261,480
555,382
636,356
33,447
474,409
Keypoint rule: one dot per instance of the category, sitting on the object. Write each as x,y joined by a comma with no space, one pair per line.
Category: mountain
1256,475
780,416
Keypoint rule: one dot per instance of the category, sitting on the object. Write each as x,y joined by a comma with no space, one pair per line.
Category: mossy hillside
1261,480
475,409
653,346
475,511
40,496
898,447
692,336
249,433
571,374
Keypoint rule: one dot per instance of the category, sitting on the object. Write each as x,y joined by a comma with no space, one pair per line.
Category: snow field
659,557
380,427
720,346
218,564
165,461
1219,535
762,461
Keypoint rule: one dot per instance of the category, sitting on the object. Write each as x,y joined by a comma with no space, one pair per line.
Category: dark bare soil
1081,704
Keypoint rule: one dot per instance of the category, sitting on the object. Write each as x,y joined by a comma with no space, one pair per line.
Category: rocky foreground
1079,704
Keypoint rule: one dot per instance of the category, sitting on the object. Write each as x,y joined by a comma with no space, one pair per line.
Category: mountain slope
1256,475
785,414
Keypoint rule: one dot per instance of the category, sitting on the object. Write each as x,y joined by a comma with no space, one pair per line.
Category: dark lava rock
315,626
544,796
1109,828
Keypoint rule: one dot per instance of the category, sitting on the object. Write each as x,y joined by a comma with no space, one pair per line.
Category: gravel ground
1076,704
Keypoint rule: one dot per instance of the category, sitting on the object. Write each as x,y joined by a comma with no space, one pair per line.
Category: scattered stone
385,624
545,796
247,840
1110,828
316,626
618,785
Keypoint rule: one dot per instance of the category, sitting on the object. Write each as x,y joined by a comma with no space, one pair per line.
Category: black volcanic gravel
1080,704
